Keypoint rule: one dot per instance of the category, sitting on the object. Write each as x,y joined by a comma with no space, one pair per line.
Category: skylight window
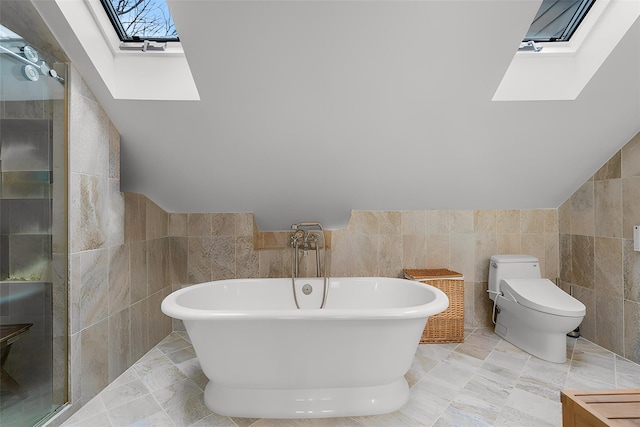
141,20
557,20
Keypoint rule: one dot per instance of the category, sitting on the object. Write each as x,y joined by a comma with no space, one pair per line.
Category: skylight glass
557,20
139,20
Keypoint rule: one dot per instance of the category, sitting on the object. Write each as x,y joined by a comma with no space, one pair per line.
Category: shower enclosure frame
33,214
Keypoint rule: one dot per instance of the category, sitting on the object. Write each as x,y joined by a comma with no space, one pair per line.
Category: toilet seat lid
543,295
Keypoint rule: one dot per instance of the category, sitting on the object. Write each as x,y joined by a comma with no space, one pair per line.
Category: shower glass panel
33,236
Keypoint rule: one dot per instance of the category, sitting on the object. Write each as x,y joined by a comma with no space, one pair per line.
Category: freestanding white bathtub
266,359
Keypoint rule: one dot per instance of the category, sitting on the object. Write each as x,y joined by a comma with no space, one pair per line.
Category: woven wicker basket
448,326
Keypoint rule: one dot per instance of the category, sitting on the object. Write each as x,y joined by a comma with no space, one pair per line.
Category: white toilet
531,312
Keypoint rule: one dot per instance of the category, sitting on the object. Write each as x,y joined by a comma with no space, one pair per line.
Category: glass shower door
33,243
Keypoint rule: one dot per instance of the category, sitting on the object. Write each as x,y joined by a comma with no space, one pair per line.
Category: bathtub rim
440,303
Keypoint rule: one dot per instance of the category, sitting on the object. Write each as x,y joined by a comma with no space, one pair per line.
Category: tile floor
484,381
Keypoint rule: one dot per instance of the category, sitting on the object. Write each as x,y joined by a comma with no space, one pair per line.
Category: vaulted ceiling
309,109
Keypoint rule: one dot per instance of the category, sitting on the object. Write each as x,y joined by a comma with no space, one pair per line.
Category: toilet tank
511,267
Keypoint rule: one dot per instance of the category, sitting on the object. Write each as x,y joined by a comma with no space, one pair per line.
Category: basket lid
430,273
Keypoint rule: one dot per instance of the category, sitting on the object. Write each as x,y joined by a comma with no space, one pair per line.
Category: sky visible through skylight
556,20
141,19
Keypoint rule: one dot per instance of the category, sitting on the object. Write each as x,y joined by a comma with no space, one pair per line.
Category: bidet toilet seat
542,295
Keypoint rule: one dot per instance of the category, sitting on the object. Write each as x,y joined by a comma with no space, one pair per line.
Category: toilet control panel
636,237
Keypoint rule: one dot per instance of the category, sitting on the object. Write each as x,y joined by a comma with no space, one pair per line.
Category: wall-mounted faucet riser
305,240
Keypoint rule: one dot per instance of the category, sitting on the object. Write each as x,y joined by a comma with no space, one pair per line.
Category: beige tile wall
114,311
208,247
149,271
598,263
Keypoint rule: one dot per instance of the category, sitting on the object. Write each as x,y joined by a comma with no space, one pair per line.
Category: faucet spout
307,225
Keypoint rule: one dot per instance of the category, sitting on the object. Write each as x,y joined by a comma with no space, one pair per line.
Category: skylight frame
572,24
562,70
122,33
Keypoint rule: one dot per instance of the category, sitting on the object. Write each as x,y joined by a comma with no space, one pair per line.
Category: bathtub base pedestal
306,403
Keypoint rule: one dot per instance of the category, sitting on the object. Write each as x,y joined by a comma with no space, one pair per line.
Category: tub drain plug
306,289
